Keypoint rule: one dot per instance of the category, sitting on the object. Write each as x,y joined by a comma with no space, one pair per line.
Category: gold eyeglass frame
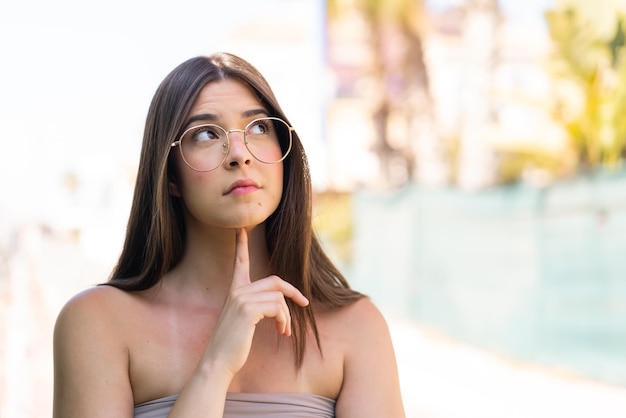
226,149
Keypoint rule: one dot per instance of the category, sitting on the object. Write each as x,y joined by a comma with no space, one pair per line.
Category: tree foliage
590,67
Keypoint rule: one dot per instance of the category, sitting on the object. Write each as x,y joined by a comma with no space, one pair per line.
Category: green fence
538,274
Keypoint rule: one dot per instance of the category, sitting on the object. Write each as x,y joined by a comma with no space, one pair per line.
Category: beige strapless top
257,405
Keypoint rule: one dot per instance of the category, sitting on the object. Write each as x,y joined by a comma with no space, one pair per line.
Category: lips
242,187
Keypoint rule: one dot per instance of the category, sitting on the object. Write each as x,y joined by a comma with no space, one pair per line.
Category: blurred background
467,158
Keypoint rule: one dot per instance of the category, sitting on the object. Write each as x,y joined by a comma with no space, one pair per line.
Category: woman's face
241,191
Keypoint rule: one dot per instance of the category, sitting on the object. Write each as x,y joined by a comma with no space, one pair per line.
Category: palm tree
399,76
590,64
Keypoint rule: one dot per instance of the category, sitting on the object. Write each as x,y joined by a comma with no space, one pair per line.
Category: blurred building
489,91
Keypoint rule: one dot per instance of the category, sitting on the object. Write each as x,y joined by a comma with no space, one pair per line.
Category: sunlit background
467,158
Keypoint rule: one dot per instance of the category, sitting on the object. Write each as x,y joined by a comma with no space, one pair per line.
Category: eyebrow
210,117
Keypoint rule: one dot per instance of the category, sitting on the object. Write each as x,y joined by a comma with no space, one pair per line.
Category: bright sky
526,12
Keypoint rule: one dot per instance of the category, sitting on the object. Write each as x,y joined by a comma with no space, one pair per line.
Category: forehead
225,95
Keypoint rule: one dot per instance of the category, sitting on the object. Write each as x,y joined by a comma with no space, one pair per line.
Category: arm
90,362
371,386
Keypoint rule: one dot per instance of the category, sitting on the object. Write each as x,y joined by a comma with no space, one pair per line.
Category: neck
209,257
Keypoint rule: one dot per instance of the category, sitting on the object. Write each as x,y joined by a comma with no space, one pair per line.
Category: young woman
223,302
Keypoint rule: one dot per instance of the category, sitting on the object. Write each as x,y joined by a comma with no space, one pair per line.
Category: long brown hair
155,234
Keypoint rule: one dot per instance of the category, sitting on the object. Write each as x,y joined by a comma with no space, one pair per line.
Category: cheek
193,183
199,197
274,187
195,187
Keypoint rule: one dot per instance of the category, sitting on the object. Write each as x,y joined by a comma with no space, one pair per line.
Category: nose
238,154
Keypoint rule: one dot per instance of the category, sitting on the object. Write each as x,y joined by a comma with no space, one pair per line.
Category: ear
172,178
173,188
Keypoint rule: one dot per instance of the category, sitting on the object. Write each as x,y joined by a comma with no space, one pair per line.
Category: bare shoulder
94,317
98,305
94,298
91,319
91,356
364,310
358,320
370,382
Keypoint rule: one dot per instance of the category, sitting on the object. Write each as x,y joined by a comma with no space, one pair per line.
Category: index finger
241,270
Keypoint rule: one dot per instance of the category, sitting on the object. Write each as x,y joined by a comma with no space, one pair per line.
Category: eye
204,134
260,127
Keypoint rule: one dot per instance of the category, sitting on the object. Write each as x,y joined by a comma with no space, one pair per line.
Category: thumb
241,270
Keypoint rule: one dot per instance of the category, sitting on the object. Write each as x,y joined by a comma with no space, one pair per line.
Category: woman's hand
247,303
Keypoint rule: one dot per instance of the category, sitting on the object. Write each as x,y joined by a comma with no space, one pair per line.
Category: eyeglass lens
204,147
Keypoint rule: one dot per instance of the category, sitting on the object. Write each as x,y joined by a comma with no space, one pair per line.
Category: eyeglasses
205,147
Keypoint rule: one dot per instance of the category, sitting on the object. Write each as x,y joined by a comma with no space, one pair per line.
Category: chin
247,223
